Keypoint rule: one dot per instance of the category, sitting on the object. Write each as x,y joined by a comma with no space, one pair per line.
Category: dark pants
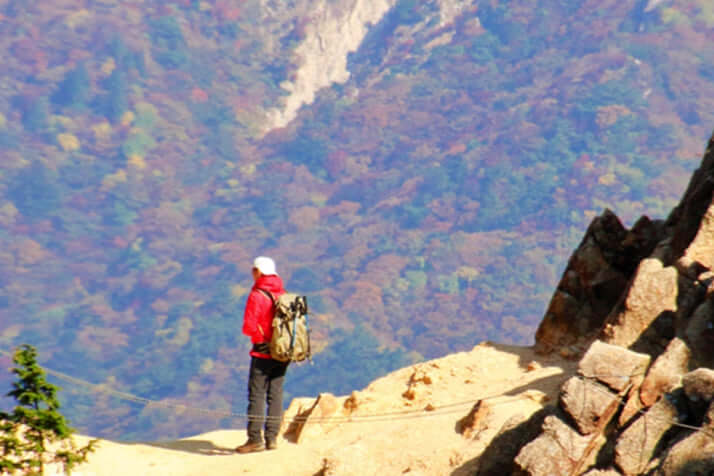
265,384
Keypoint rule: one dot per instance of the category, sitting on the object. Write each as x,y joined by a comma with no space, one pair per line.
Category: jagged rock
294,417
694,454
595,278
475,421
498,458
558,450
652,293
686,218
666,372
603,472
481,416
637,444
689,268
699,385
589,403
613,365
309,422
632,407
589,288
700,334
701,249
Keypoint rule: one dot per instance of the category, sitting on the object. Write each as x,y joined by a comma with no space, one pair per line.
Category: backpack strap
267,293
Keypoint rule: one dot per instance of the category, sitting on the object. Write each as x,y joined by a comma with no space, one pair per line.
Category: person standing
265,380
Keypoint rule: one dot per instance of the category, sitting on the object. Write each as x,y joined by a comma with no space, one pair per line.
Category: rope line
440,410
623,401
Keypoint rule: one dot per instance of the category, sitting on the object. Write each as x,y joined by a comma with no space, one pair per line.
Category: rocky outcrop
335,30
669,430
590,401
652,295
309,418
666,373
558,450
637,445
641,302
642,287
594,280
587,402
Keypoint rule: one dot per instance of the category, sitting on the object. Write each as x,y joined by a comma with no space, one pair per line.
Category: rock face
666,373
637,444
653,293
558,450
641,303
336,30
594,279
587,402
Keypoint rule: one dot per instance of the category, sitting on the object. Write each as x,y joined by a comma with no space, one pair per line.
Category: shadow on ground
203,447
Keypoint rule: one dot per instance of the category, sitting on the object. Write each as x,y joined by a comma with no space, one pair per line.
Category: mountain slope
427,203
631,405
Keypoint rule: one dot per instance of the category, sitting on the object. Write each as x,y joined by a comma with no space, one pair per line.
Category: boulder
653,293
693,455
498,457
699,385
589,404
666,372
636,446
594,279
701,249
558,450
603,472
306,422
295,416
633,406
613,365
700,332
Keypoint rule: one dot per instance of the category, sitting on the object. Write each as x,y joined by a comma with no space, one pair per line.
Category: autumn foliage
425,205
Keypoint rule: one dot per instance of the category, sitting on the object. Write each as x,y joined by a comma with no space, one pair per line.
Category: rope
385,416
642,411
446,409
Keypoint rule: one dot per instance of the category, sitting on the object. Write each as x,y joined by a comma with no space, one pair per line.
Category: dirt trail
408,441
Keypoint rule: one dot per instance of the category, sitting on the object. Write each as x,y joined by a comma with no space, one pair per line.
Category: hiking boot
250,447
271,445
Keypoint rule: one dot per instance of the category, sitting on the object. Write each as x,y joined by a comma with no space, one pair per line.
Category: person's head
263,266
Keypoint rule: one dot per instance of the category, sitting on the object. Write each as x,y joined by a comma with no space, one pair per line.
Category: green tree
35,191
74,90
116,102
168,42
28,433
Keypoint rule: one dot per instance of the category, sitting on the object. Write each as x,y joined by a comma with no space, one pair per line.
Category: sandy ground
407,440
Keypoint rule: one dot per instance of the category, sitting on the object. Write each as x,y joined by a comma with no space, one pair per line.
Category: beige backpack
291,331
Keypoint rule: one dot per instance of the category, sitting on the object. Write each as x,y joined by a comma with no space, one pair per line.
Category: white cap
265,265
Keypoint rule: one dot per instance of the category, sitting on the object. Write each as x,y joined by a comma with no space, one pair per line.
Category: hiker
265,381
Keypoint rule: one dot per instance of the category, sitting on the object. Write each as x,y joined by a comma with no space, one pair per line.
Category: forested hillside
425,204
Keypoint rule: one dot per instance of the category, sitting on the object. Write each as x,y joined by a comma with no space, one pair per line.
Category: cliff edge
619,381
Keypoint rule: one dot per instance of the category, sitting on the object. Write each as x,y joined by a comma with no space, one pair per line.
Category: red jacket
258,316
